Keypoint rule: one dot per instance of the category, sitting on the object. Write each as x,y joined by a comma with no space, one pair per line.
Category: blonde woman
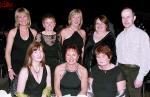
73,34
18,40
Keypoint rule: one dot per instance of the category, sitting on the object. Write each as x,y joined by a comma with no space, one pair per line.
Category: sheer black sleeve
120,76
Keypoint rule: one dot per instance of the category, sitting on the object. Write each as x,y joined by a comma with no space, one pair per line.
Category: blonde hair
72,13
18,12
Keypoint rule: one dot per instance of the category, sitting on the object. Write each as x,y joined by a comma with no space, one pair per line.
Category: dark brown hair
103,19
50,16
74,47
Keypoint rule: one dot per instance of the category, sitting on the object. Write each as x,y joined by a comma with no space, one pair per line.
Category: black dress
33,88
70,83
52,49
19,50
53,54
89,54
75,39
104,82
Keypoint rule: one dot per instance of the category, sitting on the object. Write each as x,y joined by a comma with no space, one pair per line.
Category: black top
89,54
33,88
52,49
70,83
104,82
75,39
19,50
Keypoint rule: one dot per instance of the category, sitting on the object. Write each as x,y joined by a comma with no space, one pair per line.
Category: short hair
72,46
72,13
18,12
133,12
103,19
33,47
50,16
104,49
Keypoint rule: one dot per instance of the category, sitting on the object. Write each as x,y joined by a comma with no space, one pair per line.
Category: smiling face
103,55
71,56
49,24
76,19
23,19
102,59
128,17
37,55
100,26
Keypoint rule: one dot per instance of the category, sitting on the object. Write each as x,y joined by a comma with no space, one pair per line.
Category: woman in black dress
101,35
70,77
107,79
73,34
51,42
34,78
19,38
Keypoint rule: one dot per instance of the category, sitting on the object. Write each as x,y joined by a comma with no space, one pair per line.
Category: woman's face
71,56
102,59
23,19
100,26
37,55
49,24
76,19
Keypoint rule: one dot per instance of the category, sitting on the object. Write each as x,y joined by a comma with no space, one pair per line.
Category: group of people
71,62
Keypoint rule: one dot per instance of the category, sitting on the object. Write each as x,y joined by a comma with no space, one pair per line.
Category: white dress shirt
133,47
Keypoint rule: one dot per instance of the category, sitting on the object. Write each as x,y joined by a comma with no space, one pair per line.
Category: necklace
36,70
72,68
36,73
74,28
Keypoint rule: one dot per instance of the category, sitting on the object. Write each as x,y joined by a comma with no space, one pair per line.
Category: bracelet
9,69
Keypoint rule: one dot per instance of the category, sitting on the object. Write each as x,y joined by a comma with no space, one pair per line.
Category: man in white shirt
133,53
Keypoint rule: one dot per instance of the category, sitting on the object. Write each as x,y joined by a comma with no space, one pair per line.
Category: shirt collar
130,28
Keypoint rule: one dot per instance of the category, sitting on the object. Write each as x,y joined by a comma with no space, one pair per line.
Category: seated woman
107,79
34,78
70,77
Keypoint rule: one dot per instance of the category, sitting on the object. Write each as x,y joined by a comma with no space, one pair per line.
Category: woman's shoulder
34,32
82,68
32,29
47,67
64,30
60,67
13,31
24,71
83,33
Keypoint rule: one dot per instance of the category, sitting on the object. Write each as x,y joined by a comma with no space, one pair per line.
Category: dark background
90,8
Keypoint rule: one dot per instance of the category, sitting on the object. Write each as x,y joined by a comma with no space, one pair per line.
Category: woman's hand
11,74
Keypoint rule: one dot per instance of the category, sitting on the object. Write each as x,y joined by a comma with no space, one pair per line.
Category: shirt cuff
140,77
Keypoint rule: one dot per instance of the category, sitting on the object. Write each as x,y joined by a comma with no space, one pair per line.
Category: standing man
133,52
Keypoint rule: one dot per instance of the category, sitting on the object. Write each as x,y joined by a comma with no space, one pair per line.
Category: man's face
128,18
